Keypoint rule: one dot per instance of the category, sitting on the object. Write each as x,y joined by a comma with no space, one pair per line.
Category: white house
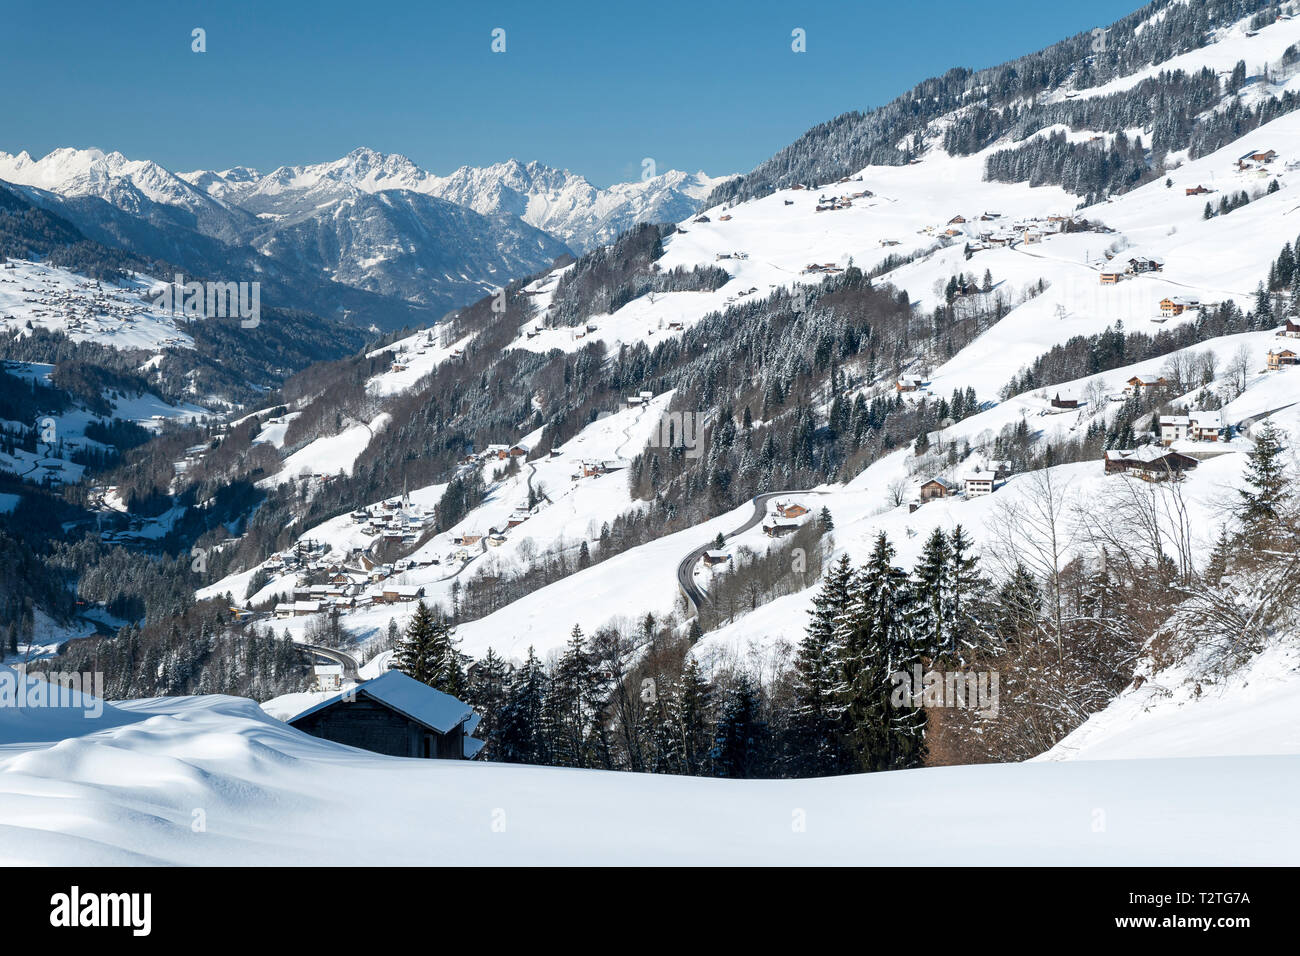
979,482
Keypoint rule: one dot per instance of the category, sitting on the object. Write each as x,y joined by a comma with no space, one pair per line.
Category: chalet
1258,156
328,677
980,482
910,383
297,609
956,220
1111,275
496,540
938,488
1150,462
790,509
398,716
400,593
712,558
1136,265
1064,400
518,451
1280,358
780,527
1206,426
1291,330
1174,428
1139,382
1197,190
1283,357
724,218
516,519
1178,304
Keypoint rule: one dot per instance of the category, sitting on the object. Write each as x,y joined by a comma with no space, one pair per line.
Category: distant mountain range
372,222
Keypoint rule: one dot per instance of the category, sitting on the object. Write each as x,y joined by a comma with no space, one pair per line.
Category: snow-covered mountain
567,205
855,330
409,245
134,186
559,202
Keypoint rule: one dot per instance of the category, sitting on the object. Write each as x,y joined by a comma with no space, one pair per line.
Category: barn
395,715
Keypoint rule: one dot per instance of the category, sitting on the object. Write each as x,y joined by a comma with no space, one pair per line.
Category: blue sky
594,87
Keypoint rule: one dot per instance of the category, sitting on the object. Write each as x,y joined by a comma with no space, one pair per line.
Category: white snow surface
127,788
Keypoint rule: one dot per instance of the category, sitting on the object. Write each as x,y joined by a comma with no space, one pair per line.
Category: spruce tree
876,644
929,619
815,746
741,736
1263,502
414,654
689,704
521,738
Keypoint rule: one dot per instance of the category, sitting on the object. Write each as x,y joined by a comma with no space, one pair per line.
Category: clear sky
592,87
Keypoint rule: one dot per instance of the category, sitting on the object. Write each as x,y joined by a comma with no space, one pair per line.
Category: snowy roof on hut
410,698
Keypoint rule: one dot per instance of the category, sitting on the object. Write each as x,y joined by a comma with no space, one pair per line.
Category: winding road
694,594
342,658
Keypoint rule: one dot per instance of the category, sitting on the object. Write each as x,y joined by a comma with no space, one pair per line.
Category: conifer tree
414,653
929,619
688,709
1263,502
741,737
521,739
816,713
877,643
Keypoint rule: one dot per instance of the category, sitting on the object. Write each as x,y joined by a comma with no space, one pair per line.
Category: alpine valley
950,450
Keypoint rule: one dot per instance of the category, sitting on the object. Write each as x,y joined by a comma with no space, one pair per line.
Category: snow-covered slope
1051,282
1178,713
214,780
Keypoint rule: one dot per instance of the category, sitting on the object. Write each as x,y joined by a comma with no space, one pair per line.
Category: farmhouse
1280,358
790,509
1197,190
400,593
1140,264
780,527
1139,382
910,383
1111,275
328,676
980,482
1064,400
1258,156
1149,462
1291,330
938,488
715,557
1177,305
398,716
1197,426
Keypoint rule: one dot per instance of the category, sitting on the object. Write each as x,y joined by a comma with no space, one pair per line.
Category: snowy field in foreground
131,793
